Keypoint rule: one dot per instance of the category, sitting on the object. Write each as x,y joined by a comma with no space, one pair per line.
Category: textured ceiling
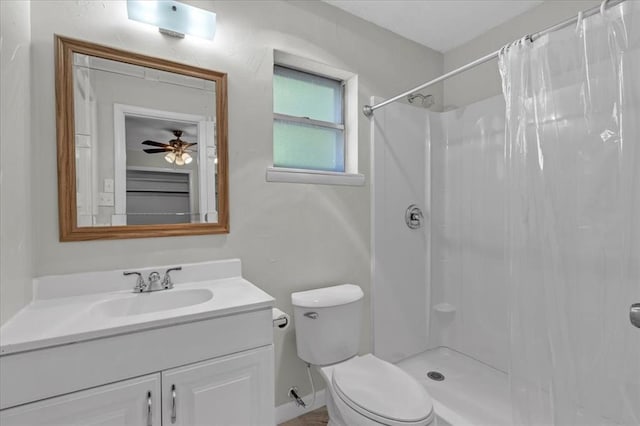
439,24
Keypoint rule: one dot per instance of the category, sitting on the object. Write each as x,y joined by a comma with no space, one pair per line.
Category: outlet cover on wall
105,199
108,185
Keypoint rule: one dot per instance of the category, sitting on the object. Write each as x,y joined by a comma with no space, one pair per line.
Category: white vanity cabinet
87,359
132,402
226,391
233,390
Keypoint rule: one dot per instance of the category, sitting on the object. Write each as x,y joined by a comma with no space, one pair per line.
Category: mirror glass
145,143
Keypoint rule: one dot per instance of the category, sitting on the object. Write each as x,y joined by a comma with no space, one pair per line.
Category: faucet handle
166,281
140,284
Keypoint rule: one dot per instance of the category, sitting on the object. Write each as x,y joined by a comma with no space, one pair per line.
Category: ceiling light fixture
177,150
173,18
180,158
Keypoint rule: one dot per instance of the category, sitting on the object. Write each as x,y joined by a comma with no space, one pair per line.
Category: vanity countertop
79,315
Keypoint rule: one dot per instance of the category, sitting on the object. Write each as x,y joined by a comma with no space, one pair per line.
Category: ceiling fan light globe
170,157
180,161
187,158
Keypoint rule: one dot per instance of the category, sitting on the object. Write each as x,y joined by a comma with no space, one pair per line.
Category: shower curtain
573,221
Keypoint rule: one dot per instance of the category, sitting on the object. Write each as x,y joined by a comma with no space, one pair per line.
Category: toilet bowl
361,390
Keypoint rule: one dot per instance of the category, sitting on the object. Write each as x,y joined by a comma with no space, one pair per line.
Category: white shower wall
467,232
400,153
455,161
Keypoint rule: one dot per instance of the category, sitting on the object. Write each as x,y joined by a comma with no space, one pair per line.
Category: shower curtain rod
368,110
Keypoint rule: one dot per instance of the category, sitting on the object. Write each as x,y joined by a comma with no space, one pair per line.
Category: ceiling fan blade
155,150
153,143
187,144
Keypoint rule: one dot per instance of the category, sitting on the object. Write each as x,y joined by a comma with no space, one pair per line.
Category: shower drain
434,375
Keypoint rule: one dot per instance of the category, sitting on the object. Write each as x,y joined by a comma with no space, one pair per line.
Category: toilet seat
382,392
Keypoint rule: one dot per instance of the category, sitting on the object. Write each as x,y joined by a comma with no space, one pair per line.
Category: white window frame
350,176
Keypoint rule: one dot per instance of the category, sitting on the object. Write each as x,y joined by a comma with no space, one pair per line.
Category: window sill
280,174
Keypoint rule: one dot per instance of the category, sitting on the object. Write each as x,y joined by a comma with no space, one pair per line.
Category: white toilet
361,390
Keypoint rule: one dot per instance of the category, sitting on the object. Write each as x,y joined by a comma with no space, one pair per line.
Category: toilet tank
328,322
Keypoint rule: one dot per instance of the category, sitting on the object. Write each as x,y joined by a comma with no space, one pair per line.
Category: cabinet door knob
634,314
174,413
149,411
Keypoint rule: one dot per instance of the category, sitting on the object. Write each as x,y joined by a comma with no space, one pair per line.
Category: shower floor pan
472,393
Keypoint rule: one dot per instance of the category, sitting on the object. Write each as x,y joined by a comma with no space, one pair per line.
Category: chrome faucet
153,283
153,280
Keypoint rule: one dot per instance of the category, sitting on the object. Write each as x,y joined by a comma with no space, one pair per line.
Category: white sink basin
73,308
144,303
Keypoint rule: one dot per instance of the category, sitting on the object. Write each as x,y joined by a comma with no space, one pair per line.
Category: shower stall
516,281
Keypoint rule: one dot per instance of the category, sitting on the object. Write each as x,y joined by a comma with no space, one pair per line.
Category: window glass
304,146
301,94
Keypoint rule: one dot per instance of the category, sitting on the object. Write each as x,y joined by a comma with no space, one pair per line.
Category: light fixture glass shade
187,158
174,16
179,161
170,157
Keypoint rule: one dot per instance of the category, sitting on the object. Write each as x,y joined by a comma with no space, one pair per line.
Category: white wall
15,159
484,81
290,237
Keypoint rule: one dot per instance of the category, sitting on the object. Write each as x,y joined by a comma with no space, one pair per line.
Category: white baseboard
290,410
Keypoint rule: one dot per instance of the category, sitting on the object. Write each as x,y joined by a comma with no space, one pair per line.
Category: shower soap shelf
444,308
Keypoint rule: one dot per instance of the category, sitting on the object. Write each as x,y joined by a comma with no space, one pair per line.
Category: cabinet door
235,390
125,403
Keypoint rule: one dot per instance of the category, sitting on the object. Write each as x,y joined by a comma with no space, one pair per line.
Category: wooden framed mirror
142,145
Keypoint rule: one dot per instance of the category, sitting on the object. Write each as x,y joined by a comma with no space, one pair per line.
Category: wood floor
318,417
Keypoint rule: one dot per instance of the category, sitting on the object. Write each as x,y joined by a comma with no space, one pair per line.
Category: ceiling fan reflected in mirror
177,150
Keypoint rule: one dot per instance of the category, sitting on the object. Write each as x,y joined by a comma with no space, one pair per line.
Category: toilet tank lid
327,296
